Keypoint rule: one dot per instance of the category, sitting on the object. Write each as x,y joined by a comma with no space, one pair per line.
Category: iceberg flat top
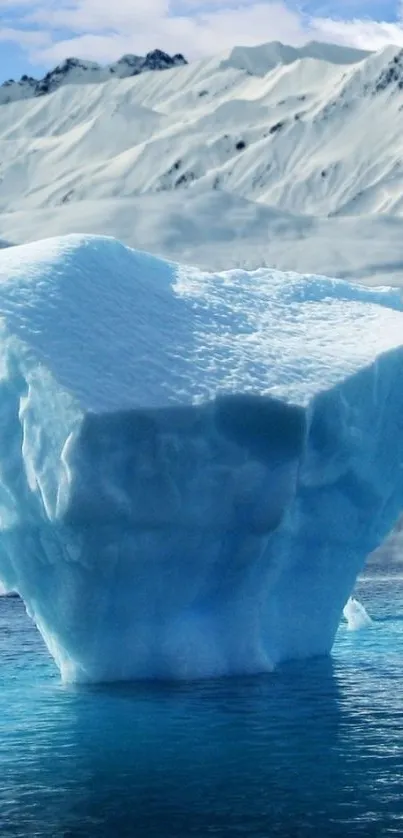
118,328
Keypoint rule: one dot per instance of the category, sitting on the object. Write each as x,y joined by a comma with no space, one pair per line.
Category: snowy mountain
76,71
265,155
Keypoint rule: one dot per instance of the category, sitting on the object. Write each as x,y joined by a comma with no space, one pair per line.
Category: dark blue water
316,749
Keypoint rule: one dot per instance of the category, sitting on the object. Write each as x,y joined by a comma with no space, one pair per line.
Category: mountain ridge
267,155
77,71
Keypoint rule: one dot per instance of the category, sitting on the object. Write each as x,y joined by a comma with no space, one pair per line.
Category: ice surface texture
193,467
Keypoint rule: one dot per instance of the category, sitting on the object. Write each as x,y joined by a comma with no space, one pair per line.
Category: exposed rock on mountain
75,71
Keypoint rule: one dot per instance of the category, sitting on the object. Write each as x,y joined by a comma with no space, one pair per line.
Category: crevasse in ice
193,467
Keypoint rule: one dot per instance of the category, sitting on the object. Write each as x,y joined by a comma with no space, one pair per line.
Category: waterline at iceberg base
193,467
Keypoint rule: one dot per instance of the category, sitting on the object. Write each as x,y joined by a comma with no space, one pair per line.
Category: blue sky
37,34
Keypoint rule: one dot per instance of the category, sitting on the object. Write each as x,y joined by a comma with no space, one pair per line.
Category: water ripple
316,749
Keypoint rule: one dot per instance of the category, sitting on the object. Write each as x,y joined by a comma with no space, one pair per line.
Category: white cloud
365,34
89,16
27,39
102,30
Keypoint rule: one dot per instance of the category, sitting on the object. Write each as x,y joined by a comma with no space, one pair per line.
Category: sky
35,35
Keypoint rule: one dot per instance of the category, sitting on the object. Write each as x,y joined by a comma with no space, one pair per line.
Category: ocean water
314,749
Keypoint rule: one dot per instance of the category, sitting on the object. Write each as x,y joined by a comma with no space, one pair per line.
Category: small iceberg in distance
356,615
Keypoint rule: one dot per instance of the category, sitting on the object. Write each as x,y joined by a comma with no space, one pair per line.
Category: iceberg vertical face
193,467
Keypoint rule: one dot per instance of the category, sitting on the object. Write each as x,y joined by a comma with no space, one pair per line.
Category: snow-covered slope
258,61
193,466
266,155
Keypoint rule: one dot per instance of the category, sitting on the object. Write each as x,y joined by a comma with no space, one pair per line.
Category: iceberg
193,466
356,615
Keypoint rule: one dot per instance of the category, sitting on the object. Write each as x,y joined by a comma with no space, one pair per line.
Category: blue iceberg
193,466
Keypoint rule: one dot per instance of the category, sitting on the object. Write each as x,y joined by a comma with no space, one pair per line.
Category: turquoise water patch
316,748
